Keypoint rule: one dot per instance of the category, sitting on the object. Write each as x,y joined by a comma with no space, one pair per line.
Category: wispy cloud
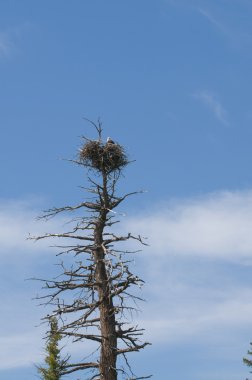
235,34
222,18
27,349
190,315
213,104
190,297
221,26
18,221
19,350
10,38
5,45
217,225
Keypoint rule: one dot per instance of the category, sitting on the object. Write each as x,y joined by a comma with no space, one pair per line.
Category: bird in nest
110,141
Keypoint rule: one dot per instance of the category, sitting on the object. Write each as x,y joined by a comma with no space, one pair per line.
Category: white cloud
189,316
22,343
190,298
192,295
18,221
19,350
213,104
27,349
218,225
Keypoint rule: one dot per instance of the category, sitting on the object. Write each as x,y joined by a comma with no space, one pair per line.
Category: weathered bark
108,354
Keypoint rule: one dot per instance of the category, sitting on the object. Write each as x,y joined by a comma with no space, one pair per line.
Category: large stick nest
97,155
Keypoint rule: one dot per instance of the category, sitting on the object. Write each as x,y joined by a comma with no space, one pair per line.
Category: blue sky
171,80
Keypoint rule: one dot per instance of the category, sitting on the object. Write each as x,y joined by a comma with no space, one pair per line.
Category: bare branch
78,366
54,211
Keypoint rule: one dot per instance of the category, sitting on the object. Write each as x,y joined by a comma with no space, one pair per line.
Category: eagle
110,141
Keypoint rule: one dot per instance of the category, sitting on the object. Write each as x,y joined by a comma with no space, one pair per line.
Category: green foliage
53,361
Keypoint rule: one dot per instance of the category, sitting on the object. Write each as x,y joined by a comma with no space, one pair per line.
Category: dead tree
91,298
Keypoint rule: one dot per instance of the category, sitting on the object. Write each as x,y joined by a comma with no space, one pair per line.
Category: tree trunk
108,354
